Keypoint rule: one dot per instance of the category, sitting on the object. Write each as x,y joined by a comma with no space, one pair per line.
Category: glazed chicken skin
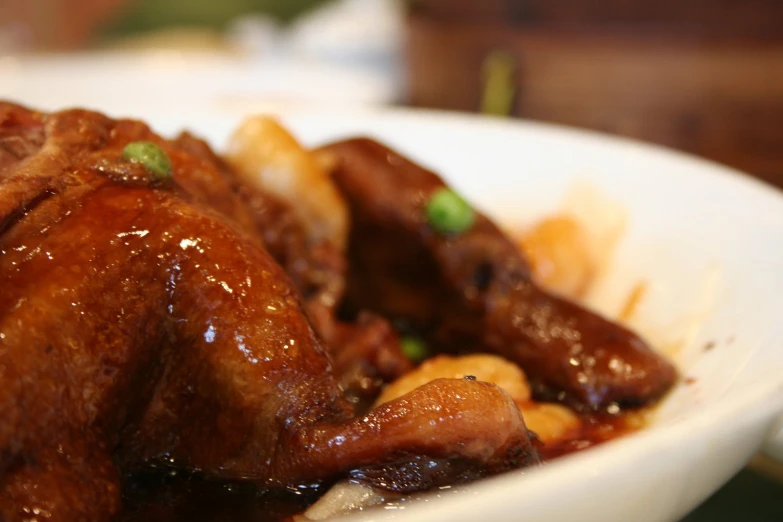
473,291
143,320
365,353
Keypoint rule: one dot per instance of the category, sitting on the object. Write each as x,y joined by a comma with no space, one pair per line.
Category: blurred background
702,76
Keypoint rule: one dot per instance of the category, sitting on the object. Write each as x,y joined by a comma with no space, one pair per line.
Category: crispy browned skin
473,291
365,353
145,321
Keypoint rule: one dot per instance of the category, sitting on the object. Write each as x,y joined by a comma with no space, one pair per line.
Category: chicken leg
474,291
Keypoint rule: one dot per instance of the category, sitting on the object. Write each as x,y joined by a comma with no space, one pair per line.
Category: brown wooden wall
685,77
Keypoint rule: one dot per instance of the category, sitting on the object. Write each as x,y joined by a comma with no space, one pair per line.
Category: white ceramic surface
708,241
158,80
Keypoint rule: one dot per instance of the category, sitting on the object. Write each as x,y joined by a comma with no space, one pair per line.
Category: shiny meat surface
472,291
145,322
365,353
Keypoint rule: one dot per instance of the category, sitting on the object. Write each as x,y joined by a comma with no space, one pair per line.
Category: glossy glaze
146,322
473,291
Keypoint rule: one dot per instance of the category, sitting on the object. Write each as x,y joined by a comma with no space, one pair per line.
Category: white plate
709,242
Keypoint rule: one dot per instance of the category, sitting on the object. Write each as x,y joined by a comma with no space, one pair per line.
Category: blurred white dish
155,82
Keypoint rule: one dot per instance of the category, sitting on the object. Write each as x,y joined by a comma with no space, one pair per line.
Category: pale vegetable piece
571,250
342,498
484,367
559,254
551,422
632,302
268,157
602,218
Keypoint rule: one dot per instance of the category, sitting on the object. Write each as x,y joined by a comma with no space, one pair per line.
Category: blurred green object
498,71
414,349
150,15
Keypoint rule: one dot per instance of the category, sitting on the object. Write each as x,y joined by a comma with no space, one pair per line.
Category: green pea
414,349
448,213
151,156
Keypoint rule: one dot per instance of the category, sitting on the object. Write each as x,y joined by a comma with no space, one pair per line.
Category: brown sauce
167,495
160,494
596,429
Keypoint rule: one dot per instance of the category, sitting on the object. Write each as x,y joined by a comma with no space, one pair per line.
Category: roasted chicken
145,319
197,315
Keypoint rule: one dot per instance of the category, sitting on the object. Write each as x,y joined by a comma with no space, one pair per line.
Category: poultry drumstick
473,290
